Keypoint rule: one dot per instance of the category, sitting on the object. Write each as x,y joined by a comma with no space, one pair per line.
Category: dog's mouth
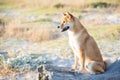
65,28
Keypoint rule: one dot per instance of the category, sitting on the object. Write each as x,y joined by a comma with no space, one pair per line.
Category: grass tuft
58,5
108,32
22,31
102,5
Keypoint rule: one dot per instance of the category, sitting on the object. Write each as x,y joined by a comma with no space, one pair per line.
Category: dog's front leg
74,67
81,56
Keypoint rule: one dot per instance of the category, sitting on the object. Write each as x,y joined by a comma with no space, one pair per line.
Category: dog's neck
77,27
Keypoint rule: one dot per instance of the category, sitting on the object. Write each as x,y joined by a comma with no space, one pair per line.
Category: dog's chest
74,39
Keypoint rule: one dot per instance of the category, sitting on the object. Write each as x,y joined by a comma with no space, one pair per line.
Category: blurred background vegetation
27,19
59,3
30,26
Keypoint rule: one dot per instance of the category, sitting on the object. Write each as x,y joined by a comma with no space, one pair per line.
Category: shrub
59,5
100,5
25,63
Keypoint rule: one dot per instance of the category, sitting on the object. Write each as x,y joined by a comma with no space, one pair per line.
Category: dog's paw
92,72
83,71
74,68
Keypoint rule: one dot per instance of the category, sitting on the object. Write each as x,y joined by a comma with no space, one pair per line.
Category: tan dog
83,45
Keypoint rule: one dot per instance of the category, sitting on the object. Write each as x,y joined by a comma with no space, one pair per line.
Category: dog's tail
108,62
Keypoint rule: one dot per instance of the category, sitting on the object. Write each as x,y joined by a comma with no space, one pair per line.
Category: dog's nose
68,27
58,27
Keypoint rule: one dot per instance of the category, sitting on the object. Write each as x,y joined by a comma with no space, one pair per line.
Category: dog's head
66,22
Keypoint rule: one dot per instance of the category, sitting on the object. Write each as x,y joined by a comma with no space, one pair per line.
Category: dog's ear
64,14
69,15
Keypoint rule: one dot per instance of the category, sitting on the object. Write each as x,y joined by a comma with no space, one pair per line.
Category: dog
84,47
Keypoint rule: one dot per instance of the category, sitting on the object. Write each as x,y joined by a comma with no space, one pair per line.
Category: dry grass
106,32
29,32
5,71
51,3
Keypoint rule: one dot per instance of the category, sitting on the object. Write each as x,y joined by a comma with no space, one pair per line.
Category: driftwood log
49,72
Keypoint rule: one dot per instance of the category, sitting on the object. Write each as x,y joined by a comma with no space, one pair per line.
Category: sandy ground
22,48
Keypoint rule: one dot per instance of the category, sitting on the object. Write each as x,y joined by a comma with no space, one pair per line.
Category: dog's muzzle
64,28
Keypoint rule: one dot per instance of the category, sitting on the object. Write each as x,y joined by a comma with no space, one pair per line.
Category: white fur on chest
73,39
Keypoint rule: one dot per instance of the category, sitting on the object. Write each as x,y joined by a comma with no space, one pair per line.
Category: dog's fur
83,45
